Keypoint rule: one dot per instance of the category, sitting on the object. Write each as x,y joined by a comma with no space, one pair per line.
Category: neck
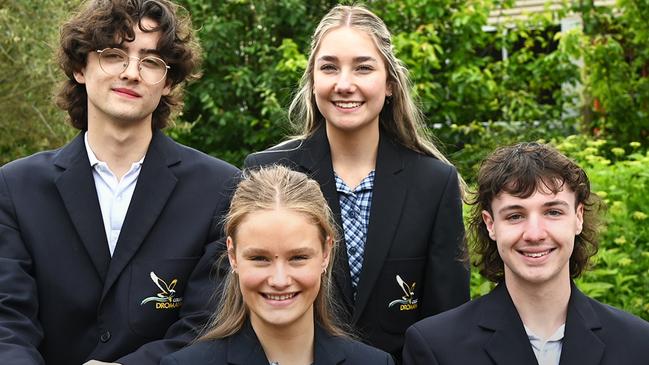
353,154
119,147
543,308
291,344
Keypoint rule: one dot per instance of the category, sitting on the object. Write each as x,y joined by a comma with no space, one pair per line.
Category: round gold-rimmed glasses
114,61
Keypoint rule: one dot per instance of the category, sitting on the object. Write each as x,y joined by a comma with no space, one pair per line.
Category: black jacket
244,348
64,299
489,331
415,231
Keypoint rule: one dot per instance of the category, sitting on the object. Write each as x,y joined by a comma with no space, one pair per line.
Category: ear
79,76
489,222
388,88
328,246
167,89
580,219
231,255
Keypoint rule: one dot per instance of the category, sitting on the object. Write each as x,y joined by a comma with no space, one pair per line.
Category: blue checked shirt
355,212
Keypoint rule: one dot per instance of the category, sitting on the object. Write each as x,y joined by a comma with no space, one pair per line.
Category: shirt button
352,250
105,336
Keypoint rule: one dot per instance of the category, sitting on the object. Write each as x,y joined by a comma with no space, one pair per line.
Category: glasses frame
128,62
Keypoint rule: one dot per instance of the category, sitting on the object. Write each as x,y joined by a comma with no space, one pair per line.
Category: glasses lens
152,69
113,61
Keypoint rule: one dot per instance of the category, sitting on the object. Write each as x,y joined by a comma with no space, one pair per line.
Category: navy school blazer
244,348
64,300
489,331
411,267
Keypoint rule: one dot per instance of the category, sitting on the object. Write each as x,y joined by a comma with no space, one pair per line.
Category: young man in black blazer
534,227
106,244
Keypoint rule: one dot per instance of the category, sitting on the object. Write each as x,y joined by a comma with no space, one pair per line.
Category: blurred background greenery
487,73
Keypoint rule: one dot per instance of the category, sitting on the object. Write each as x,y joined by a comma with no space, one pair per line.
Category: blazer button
105,336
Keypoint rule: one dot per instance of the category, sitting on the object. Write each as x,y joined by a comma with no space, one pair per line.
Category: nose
344,83
279,277
534,229
132,70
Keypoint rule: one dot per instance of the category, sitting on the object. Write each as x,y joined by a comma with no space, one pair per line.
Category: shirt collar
367,184
93,158
556,336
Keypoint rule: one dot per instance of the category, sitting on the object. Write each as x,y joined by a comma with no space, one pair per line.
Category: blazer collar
76,187
244,348
154,186
388,198
509,344
314,158
580,344
328,349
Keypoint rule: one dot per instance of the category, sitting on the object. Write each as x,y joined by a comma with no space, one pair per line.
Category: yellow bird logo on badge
166,299
407,302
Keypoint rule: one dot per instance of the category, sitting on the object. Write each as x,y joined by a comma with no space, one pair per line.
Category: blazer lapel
154,186
314,157
244,348
580,345
327,351
509,344
77,189
388,198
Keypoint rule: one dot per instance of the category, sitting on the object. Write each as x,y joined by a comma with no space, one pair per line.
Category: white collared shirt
114,196
547,352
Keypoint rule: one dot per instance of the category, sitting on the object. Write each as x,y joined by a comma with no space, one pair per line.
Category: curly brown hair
521,170
101,23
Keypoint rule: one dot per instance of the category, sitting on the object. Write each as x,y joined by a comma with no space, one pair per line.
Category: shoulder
199,353
422,166
196,158
31,168
450,326
197,168
428,165
357,352
617,322
276,154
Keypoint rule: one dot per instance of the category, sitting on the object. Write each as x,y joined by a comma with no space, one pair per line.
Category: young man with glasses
107,244
534,226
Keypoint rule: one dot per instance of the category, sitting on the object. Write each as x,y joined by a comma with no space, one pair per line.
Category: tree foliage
28,119
473,99
615,50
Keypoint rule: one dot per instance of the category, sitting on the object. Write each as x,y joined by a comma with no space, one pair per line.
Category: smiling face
535,236
279,258
125,98
349,80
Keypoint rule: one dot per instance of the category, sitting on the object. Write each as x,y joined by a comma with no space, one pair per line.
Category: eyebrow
302,251
261,252
359,59
552,203
141,52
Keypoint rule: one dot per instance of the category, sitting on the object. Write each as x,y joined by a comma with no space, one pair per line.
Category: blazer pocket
156,294
399,293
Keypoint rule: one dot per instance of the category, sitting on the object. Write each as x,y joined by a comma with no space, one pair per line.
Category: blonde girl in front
276,307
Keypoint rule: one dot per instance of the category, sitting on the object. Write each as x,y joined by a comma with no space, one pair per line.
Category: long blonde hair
268,188
401,117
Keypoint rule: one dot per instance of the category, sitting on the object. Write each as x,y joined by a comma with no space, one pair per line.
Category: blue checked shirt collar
355,213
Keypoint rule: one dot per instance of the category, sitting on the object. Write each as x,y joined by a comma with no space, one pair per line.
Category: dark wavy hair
521,170
102,23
